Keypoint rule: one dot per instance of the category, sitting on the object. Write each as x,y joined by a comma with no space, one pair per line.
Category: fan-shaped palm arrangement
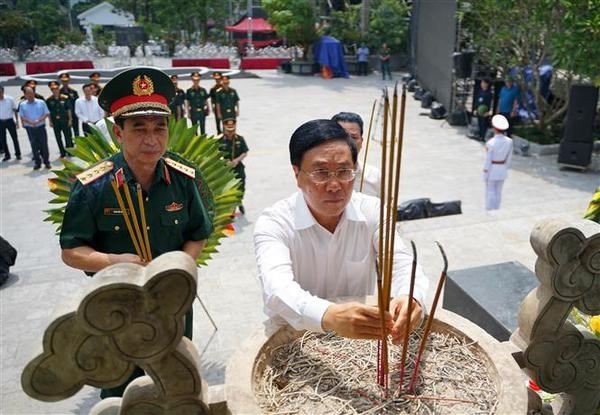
218,186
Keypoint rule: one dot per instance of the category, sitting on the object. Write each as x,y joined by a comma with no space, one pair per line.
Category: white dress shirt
88,111
371,180
7,108
300,263
498,157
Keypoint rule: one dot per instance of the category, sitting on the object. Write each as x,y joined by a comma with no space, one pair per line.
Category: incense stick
135,223
144,225
427,328
115,187
411,290
362,175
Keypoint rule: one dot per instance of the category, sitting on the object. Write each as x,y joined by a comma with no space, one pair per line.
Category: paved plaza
439,162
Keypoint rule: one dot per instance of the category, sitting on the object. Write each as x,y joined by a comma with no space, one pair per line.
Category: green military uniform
73,95
176,105
197,98
174,211
59,115
227,99
231,148
213,99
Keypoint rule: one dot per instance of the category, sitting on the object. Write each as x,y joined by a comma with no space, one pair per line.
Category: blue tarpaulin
328,52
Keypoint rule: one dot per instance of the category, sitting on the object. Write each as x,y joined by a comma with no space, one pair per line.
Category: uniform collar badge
143,85
174,207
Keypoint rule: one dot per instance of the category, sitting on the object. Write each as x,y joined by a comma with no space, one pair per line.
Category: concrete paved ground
439,162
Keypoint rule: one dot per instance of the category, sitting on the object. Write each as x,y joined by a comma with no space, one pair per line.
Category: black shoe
48,166
3,277
242,210
18,157
6,158
37,167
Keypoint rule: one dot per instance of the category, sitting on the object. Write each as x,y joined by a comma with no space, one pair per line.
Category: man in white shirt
322,243
498,155
371,179
8,121
87,108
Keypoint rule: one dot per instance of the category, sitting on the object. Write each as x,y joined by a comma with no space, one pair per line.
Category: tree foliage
294,20
345,24
516,34
388,22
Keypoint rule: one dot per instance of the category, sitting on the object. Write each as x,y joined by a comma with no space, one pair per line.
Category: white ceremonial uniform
497,160
300,263
371,181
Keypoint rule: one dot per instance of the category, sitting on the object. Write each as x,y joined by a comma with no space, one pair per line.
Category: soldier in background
177,105
60,117
95,81
234,149
197,103
213,98
228,101
65,89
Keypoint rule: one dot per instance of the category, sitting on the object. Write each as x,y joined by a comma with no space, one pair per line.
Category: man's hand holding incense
399,309
355,320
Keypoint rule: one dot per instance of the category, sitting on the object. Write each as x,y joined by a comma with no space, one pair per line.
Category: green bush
531,133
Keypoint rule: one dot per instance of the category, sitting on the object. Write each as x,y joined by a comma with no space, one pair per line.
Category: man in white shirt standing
87,108
8,121
371,180
322,242
498,156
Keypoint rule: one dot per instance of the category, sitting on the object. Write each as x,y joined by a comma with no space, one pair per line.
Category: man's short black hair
89,84
349,117
315,132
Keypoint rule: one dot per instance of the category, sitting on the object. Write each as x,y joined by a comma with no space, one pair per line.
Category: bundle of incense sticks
390,184
137,232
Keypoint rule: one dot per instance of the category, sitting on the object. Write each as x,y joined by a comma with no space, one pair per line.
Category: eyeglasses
323,176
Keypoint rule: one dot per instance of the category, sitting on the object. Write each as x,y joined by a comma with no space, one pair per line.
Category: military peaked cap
138,91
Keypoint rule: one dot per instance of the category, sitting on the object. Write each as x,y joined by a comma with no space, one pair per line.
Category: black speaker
458,117
463,64
579,125
575,154
438,111
427,100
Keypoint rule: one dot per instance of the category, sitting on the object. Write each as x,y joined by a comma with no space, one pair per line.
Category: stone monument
128,316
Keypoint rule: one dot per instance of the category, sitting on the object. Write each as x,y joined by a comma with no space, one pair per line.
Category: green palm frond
593,210
216,181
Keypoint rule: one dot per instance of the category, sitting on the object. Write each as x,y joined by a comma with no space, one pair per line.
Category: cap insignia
143,85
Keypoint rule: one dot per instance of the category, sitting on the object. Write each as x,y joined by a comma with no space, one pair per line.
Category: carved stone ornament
556,354
128,316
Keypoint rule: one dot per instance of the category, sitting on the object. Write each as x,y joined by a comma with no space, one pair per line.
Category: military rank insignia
142,85
95,172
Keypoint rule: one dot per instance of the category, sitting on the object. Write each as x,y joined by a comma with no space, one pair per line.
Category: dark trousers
86,128
217,121
9,125
385,68
137,372
200,120
483,123
75,124
362,68
38,138
59,131
511,122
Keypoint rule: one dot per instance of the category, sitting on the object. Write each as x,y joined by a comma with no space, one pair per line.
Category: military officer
94,233
213,98
228,101
60,117
234,149
95,80
65,89
176,106
197,103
